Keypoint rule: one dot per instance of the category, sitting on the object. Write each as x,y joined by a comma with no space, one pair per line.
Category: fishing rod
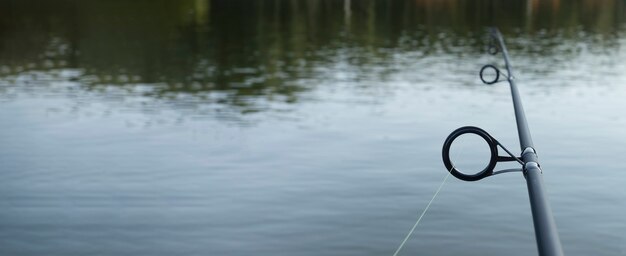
546,235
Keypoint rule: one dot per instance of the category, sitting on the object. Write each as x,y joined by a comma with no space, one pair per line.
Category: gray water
302,127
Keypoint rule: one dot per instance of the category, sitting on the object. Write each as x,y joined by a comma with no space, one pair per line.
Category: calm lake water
302,127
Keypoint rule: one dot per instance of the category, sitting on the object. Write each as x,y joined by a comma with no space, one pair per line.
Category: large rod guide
548,242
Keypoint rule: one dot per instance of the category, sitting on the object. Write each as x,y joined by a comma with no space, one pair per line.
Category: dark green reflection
235,52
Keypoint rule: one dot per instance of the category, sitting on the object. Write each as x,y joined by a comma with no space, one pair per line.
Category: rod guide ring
487,171
489,66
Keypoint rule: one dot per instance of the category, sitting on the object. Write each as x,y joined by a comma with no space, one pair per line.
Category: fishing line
421,216
406,238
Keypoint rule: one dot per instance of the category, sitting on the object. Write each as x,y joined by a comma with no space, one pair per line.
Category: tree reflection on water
244,55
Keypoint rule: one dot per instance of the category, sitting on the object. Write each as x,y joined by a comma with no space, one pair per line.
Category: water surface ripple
309,127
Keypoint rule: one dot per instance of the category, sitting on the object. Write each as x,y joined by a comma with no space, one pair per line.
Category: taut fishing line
421,215
406,238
